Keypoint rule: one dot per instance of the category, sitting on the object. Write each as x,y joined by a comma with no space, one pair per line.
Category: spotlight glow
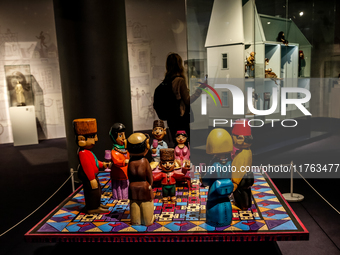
301,14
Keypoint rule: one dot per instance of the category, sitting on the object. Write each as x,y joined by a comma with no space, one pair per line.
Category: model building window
225,60
143,65
225,99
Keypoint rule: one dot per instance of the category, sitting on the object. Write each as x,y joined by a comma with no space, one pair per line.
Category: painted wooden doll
219,210
120,159
168,176
242,180
182,152
86,134
141,180
158,132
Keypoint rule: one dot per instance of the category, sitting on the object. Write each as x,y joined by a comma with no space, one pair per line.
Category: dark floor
31,174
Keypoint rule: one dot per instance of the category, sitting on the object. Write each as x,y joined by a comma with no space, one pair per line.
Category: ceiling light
301,13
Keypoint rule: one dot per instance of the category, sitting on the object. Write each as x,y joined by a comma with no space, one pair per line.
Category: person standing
176,73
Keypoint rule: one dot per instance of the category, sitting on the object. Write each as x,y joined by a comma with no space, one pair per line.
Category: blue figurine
219,209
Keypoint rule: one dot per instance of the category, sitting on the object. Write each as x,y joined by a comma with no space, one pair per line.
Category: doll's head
167,157
181,137
138,144
281,36
159,130
219,143
86,132
241,133
301,55
117,134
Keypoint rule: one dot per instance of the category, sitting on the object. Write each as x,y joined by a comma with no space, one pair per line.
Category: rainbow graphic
209,93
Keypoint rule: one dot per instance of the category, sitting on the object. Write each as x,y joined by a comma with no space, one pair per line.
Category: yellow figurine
218,208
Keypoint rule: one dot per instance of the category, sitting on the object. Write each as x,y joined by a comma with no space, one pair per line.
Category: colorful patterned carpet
269,219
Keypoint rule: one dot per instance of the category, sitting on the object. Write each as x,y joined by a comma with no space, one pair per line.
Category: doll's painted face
181,139
242,142
159,133
87,142
167,166
121,139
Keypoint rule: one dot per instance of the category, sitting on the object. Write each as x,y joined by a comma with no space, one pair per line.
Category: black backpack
164,101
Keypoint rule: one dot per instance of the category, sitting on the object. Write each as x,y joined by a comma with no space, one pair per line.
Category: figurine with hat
168,176
242,180
141,180
158,131
219,210
86,137
120,159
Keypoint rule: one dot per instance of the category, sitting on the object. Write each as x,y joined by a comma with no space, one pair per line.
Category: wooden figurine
141,180
120,159
86,135
219,210
168,176
158,132
242,180
182,152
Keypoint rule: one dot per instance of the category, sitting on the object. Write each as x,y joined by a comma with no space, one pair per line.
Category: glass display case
21,104
19,85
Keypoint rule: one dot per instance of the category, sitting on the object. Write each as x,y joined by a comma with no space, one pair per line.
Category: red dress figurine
120,159
86,132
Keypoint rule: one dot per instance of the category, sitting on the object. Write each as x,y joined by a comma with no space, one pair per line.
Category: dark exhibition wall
94,67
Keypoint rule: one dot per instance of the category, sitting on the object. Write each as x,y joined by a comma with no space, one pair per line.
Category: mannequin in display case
19,90
219,210
86,137
120,159
242,180
141,180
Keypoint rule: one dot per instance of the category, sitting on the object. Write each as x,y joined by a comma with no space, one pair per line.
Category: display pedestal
293,197
24,125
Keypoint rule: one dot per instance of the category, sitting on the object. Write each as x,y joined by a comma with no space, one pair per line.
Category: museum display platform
269,219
